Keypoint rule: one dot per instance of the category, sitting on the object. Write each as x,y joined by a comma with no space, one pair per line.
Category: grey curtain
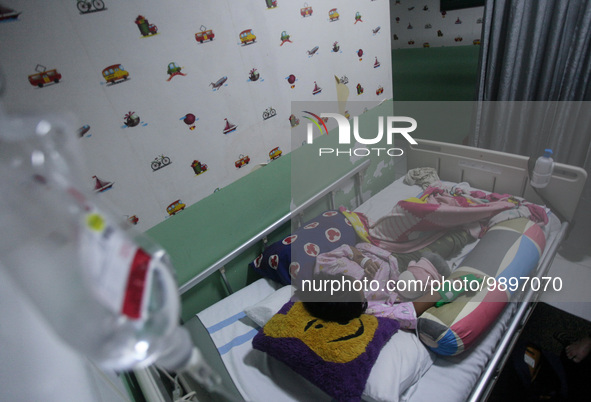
534,88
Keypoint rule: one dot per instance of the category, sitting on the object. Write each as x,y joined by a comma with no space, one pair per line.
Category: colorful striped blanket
417,222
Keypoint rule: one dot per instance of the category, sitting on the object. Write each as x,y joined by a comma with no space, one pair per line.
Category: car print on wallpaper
175,207
358,17
242,160
133,219
333,15
115,74
271,3
173,70
198,167
306,11
285,38
275,153
44,77
247,37
146,29
204,35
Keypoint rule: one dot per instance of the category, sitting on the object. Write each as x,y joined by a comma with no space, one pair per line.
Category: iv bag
105,289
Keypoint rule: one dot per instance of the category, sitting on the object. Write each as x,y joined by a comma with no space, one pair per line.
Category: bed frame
505,173
484,169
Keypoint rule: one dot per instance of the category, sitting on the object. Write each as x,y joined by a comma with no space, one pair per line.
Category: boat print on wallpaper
316,89
173,70
175,207
8,14
247,37
219,83
254,76
336,47
159,162
376,64
189,119
115,74
198,167
270,112
101,186
204,35
229,127
44,77
90,6
146,29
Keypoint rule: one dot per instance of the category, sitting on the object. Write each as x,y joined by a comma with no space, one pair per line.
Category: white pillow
401,363
269,306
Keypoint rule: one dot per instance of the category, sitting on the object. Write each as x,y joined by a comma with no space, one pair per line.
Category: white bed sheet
257,374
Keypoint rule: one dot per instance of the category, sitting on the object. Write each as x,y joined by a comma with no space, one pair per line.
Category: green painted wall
435,74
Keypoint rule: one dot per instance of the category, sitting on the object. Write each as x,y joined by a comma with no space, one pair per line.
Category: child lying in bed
377,287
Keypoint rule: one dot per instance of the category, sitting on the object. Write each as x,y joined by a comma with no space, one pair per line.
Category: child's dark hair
340,306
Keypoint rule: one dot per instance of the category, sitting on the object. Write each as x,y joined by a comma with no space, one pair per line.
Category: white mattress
260,377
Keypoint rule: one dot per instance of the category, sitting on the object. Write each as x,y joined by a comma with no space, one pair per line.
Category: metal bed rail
357,171
487,381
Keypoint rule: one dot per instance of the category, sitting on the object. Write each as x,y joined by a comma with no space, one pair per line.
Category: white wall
56,35
416,24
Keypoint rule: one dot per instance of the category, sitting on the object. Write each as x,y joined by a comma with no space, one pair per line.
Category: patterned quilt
417,222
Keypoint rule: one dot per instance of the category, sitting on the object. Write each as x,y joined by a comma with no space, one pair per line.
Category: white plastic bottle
108,291
543,170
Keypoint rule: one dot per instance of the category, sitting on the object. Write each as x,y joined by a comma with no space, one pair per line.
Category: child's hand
371,268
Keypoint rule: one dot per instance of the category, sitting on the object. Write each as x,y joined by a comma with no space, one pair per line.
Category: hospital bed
228,327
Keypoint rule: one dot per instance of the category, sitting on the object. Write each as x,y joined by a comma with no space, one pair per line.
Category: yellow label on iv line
95,222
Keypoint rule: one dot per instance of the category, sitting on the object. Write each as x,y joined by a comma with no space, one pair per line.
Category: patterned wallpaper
419,23
177,99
